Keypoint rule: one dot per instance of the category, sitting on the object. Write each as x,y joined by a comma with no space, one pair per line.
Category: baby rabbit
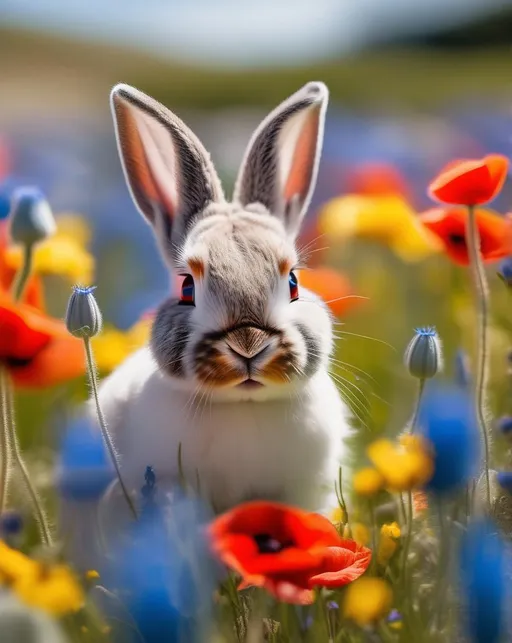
233,392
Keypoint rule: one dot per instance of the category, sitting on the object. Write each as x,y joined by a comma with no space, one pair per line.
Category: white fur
288,449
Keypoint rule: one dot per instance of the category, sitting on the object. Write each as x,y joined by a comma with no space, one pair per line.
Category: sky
241,32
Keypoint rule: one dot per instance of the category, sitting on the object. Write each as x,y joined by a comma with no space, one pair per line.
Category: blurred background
413,85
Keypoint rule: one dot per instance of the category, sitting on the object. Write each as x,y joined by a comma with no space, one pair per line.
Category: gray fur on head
242,252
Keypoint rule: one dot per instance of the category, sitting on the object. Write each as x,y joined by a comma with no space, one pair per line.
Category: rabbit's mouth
250,384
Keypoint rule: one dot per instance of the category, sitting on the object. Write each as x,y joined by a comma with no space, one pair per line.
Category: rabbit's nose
248,359
248,343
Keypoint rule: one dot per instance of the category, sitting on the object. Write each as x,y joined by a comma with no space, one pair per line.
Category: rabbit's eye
294,286
187,291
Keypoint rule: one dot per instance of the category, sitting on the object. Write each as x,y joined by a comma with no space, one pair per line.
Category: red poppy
286,550
332,286
470,182
37,349
449,224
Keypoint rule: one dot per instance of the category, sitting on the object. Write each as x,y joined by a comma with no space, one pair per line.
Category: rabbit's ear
281,162
169,173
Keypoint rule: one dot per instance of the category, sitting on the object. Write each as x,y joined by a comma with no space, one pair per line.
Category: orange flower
470,182
449,224
332,286
36,348
376,179
286,550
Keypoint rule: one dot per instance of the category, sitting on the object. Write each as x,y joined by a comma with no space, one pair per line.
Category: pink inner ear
151,171
136,165
299,176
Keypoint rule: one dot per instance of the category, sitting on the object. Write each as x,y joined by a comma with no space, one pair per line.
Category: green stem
409,514
444,548
482,306
91,371
5,454
419,395
37,504
23,275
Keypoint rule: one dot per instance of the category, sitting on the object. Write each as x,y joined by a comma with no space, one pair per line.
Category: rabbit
233,393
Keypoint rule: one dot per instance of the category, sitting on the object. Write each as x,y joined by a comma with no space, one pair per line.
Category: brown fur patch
279,369
284,267
197,267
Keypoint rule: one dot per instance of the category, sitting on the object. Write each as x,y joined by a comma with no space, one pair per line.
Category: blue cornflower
85,470
162,572
448,422
484,581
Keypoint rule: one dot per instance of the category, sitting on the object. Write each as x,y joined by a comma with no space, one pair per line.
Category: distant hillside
39,74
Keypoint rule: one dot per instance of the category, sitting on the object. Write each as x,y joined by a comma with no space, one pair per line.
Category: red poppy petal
279,521
61,360
470,182
341,567
18,340
468,187
498,169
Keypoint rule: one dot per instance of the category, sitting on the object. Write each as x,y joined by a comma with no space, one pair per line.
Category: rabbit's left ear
280,166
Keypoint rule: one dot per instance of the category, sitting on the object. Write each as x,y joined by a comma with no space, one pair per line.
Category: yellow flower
64,254
113,346
52,589
404,466
338,516
358,532
367,481
384,218
14,564
367,600
92,574
388,542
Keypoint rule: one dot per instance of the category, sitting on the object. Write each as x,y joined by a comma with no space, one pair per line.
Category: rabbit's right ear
169,173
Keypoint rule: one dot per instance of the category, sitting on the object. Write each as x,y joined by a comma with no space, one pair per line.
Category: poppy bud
505,271
423,356
31,217
83,316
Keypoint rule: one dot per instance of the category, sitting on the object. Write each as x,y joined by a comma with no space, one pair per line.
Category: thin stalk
5,454
442,571
373,522
481,289
22,277
409,513
419,395
37,504
91,371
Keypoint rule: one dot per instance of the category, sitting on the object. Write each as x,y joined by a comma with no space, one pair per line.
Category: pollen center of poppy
457,239
268,545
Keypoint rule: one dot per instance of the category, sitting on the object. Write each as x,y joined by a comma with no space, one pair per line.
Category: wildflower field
415,547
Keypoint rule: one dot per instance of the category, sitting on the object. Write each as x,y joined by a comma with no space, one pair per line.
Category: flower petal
342,566
62,359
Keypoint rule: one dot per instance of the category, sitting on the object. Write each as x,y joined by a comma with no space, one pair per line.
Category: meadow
415,268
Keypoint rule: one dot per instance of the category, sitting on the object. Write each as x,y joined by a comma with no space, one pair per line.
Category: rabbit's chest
281,450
